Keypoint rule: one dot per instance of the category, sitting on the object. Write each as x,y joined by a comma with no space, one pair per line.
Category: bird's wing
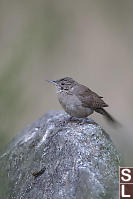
89,98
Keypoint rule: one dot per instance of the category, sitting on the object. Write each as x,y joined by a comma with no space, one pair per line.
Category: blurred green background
91,41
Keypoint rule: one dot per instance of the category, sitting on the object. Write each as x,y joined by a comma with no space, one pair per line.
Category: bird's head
63,84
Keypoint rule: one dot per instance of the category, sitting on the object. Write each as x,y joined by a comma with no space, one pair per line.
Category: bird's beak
51,81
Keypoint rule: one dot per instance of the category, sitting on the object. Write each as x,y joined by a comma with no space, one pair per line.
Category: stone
59,158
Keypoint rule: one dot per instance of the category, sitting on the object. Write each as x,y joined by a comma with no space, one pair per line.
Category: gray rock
56,158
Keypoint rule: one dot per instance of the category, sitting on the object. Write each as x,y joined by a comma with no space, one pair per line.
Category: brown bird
78,100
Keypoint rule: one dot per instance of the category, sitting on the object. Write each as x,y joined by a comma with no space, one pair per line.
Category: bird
78,100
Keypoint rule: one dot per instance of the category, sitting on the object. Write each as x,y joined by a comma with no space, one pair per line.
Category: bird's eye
62,84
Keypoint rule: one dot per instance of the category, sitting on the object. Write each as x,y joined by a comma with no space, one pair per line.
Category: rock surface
56,158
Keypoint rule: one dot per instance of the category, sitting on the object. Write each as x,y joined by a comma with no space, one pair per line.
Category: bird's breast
73,106
67,100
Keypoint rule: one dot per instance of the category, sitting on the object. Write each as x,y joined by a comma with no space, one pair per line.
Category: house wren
78,100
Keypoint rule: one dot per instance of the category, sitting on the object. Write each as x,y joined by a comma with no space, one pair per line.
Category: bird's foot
82,121
77,120
73,119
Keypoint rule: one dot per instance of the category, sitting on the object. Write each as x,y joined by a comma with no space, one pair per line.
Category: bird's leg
73,119
81,121
77,120
70,118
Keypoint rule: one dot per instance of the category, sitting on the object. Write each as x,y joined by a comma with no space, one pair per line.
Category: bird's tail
107,116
